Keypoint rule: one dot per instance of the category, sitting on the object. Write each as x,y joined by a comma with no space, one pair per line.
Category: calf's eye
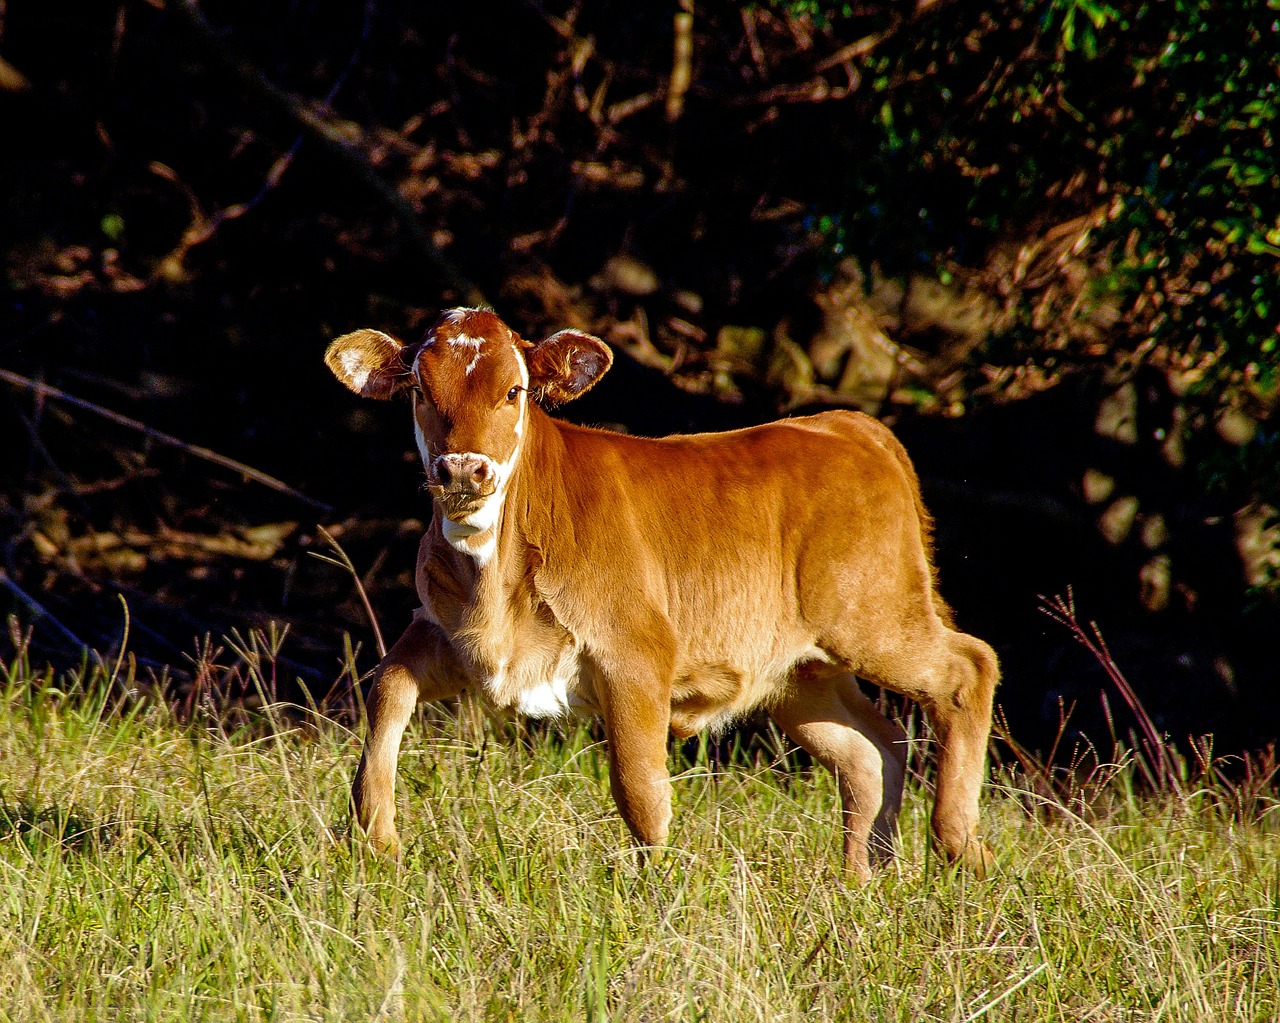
514,393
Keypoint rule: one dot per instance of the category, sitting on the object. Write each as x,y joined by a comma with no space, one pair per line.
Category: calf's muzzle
464,474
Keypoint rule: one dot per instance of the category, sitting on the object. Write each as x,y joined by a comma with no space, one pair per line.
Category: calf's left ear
368,362
565,365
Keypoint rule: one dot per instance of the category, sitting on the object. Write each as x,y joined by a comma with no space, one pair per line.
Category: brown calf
668,585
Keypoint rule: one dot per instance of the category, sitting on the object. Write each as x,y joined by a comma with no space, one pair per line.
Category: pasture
153,868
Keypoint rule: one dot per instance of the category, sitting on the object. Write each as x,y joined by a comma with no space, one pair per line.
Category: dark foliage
1038,237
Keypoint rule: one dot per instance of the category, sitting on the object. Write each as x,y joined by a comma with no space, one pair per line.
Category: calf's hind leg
953,677
961,719
827,714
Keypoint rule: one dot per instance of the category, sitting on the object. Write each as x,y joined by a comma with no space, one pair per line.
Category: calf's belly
713,695
710,690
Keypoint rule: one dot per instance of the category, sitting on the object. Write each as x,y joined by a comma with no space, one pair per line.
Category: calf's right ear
565,365
368,362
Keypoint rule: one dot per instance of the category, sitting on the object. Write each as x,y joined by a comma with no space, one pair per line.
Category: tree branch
248,471
329,141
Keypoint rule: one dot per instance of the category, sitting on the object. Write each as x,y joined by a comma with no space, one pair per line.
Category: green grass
151,869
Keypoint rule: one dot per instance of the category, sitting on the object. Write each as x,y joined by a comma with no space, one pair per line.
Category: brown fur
674,585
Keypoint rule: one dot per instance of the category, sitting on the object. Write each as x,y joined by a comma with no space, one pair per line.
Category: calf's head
471,378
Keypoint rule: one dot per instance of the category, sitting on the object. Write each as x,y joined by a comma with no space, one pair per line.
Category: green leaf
112,225
1258,247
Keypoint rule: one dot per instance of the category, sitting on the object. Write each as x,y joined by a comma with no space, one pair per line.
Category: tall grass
156,865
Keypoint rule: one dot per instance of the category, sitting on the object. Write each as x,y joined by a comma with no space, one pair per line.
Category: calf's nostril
481,472
442,473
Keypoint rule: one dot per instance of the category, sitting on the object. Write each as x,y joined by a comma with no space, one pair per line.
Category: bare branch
681,65
47,391
327,137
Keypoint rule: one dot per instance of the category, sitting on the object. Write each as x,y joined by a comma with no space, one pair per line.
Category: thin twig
48,391
40,611
857,48
1063,611
681,65
328,138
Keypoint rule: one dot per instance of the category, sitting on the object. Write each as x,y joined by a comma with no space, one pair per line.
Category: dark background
195,201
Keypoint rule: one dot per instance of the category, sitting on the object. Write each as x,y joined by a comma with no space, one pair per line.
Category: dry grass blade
344,562
1161,757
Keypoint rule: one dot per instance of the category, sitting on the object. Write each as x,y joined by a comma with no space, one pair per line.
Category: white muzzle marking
462,534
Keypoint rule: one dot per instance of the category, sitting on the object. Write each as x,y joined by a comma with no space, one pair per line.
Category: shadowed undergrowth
163,866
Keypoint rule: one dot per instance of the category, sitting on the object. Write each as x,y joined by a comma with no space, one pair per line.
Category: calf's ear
368,362
565,365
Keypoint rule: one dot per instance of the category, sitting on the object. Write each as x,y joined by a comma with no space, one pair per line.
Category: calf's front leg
420,666
637,717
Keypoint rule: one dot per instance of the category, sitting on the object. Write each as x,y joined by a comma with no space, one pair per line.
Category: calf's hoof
385,844
977,858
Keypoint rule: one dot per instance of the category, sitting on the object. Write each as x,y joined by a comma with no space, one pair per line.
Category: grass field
156,870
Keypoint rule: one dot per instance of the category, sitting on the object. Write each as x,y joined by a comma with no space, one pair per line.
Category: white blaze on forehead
476,344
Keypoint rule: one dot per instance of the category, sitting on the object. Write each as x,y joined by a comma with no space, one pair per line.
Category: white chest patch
549,700
537,689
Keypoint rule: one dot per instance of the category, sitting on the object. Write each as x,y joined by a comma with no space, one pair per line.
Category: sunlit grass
151,869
